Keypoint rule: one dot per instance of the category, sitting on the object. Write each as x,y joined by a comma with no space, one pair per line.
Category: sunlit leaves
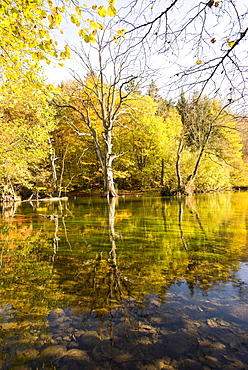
79,12
231,43
93,24
26,122
199,61
74,20
66,53
121,33
89,38
25,30
112,11
102,11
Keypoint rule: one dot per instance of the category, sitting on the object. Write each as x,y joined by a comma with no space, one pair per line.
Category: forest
108,129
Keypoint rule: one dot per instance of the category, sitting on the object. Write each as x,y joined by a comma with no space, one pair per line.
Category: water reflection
131,284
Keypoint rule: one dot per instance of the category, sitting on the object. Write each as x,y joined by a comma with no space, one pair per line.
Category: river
139,283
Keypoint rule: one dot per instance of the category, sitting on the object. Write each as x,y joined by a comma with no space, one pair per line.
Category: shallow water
140,283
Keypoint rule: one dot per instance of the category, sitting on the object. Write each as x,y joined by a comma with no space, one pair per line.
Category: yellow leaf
94,7
231,43
55,10
102,11
50,18
89,38
81,33
217,3
61,64
58,18
67,50
115,39
101,26
92,38
111,2
75,20
198,61
86,38
93,24
121,32
112,11
79,11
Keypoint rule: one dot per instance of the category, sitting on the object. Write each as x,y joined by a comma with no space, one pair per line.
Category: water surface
140,283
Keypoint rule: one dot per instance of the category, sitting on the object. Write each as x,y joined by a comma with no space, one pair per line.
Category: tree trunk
162,174
109,187
179,177
53,167
189,186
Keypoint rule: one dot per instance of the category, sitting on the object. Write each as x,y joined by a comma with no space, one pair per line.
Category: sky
165,63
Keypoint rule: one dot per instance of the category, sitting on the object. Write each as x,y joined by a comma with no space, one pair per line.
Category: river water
139,283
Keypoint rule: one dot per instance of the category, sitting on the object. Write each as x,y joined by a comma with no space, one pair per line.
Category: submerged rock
76,359
181,343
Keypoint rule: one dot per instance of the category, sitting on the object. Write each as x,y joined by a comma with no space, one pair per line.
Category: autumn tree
147,140
162,104
101,97
26,123
76,166
208,131
26,31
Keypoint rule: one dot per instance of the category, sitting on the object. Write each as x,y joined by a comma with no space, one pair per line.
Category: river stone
27,355
189,364
52,353
88,340
76,359
57,312
180,343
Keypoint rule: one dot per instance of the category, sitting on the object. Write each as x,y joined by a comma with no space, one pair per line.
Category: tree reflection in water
154,284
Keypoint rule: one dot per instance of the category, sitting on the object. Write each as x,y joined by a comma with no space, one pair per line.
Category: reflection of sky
243,272
6,313
225,301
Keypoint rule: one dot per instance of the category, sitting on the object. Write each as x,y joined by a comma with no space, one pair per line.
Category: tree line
87,137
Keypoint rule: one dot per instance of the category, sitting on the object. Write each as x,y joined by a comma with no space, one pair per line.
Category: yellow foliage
24,29
102,11
112,11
